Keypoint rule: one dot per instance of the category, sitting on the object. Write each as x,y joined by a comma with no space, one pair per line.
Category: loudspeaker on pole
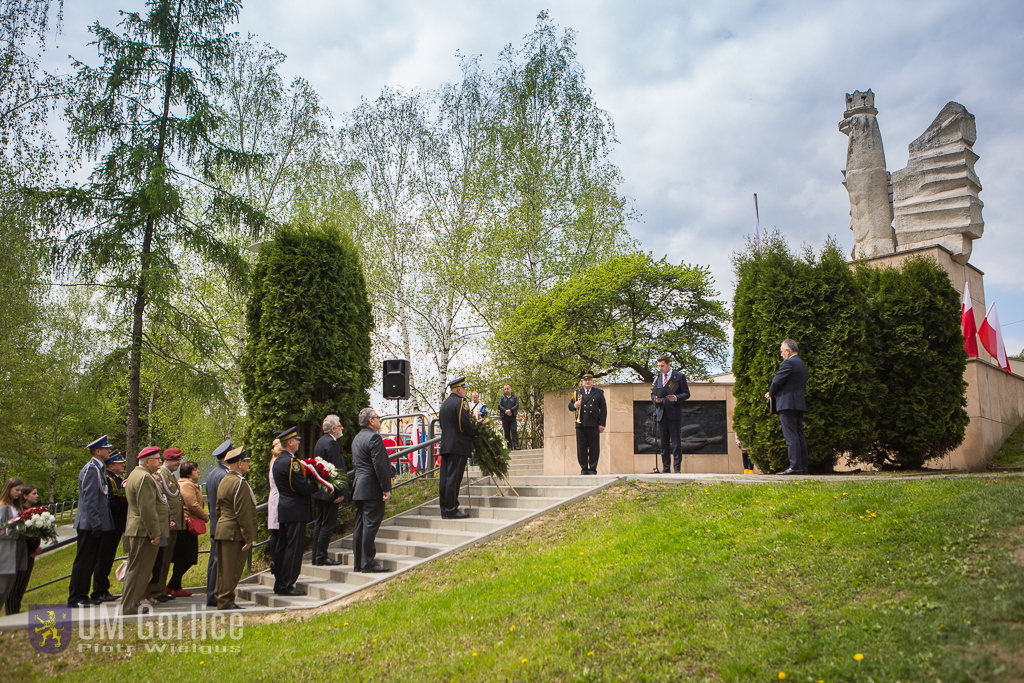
396,380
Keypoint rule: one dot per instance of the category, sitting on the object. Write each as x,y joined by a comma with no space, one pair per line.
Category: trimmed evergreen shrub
816,301
307,351
918,361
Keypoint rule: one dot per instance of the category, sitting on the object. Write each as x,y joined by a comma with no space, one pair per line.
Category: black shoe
231,606
584,472
376,569
212,604
293,591
789,471
458,515
331,563
357,569
316,563
105,597
163,597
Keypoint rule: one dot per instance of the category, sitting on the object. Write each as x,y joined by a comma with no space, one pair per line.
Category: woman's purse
195,526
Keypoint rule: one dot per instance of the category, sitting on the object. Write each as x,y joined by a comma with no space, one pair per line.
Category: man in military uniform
457,431
295,492
111,539
212,480
167,477
91,520
371,490
236,526
591,415
147,523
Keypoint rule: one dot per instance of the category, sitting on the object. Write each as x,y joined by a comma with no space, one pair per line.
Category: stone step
476,525
264,596
408,548
586,481
339,573
392,562
525,491
425,535
504,514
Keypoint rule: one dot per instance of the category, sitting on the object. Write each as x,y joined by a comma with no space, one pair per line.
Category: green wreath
489,450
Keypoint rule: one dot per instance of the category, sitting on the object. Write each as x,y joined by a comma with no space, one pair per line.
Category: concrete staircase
526,463
420,535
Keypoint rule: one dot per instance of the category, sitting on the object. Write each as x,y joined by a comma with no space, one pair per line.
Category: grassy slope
59,562
669,582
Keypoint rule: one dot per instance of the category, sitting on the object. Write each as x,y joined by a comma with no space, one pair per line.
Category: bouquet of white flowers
36,522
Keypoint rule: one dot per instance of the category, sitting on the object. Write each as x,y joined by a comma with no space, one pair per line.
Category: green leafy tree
815,300
146,115
918,362
308,326
622,314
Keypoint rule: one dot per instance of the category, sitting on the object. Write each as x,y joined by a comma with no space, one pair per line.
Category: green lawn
921,579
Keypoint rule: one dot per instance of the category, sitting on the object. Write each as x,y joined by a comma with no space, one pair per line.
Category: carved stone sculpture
866,179
936,195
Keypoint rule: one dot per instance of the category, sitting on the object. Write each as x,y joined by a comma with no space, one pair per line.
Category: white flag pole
757,225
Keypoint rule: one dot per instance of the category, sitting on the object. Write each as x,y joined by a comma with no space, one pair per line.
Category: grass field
822,581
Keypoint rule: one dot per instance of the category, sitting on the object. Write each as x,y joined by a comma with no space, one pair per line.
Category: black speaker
396,380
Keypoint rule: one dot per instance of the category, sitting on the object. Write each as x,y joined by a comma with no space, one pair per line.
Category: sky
712,101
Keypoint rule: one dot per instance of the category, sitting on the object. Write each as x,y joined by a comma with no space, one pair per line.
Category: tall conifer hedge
816,301
918,362
307,350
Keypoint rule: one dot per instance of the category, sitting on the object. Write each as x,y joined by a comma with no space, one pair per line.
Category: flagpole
757,225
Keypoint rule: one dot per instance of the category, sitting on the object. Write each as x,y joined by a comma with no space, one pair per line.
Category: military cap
236,455
148,451
220,450
173,454
290,433
457,382
589,374
99,443
116,456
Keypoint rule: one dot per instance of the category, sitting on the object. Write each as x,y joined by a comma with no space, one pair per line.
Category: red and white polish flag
992,337
967,323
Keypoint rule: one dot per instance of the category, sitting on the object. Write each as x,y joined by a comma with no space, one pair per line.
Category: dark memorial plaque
703,426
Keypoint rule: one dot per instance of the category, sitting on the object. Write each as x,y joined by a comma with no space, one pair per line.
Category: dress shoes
292,591
458,515
163,597
331,563
105,597
792,471
376,569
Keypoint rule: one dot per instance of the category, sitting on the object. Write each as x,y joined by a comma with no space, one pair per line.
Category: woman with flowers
29,498
13,556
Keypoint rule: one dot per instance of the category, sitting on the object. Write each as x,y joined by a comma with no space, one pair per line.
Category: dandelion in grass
513,626
474,654
782,675
523,660
858,656
590,654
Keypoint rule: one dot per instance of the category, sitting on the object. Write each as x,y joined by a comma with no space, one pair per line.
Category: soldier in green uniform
236,526
591,415
168,479
145,527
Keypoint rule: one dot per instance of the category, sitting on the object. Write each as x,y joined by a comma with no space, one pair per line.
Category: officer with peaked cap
457,431
591,415
167,477
212,480
91,520
293,512
236,528
111,539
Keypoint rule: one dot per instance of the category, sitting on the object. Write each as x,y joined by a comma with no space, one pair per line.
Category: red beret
148,451
173,454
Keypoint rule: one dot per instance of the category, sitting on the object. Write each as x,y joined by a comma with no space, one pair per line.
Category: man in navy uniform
295,492
457,431
327,502
591,416
91,520
669,391
371,489
787,390
212,480
111,539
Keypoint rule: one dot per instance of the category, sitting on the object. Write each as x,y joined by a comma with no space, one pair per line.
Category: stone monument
866,179
936,195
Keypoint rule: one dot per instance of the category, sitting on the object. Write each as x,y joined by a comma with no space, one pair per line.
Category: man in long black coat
787,390
295,491
371,489
327,502
457,431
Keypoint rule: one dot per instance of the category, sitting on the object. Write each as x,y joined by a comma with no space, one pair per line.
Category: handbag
195,526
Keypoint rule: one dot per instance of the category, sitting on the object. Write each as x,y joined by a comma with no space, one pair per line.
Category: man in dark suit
508,408
787,390
326,519
92,519
111,539
457,431
670,389
212,481
371,489
591,416
295,492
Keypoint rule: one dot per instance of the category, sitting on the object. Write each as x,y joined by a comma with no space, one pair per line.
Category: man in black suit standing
508,408
295,492
787,390
591,416
371,489
670,389
326,520
457,431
